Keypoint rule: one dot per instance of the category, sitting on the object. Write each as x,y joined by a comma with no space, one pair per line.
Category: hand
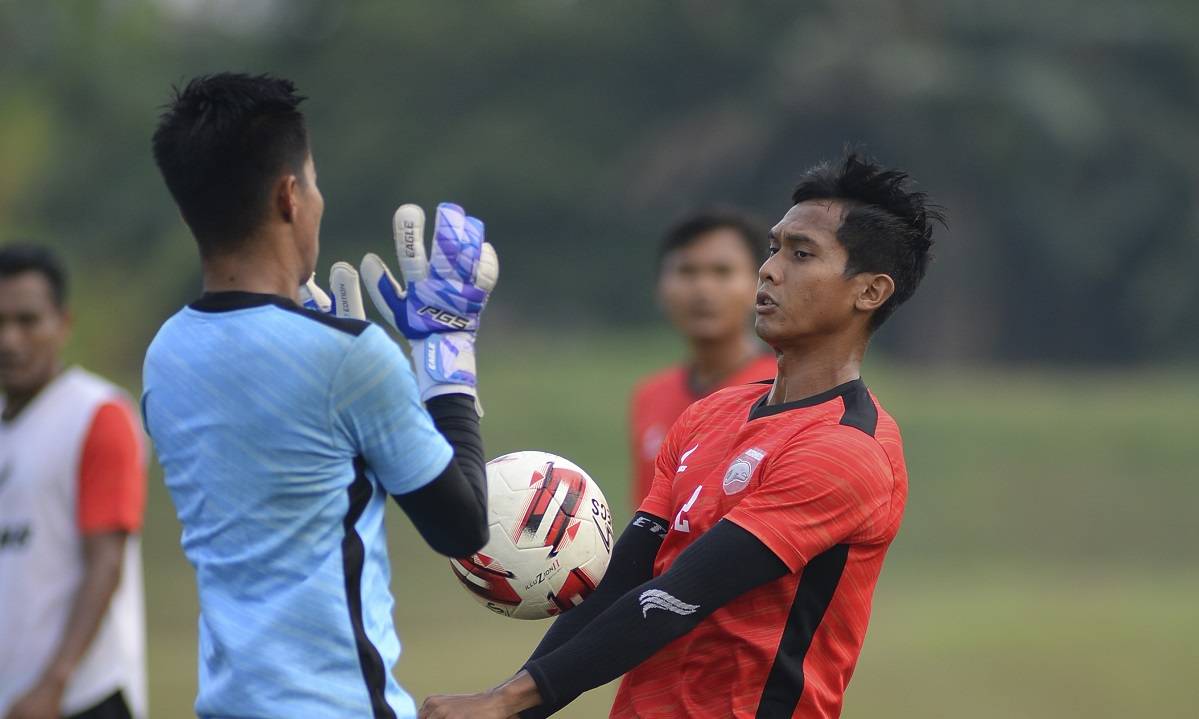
40,702
438,308
343,281
484,705
503,702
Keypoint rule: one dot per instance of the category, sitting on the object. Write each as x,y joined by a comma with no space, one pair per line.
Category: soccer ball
551,537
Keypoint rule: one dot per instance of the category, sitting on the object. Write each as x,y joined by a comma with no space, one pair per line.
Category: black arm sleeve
451,511
632,563
720,566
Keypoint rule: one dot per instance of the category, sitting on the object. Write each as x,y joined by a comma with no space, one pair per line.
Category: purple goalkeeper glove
438,307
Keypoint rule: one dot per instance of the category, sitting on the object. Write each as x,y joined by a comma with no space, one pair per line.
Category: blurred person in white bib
72,495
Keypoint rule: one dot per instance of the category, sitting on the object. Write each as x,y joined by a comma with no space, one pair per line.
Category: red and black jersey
657,402
822,483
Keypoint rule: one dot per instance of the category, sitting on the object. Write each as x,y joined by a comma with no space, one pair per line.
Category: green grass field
1047,567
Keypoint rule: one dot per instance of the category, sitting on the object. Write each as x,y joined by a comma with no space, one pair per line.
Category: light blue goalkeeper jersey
281,432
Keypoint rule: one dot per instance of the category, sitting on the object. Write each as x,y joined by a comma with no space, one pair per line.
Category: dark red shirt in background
658,400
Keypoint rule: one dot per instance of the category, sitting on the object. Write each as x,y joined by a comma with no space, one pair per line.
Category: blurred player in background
72,494
282,430
707,277
742,587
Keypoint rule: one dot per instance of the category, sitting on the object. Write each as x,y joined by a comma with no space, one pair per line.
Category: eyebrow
798,238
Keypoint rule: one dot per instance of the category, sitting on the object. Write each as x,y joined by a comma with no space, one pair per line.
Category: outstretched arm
720,566
632,564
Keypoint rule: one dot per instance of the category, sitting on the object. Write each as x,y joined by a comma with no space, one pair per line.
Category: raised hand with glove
438,307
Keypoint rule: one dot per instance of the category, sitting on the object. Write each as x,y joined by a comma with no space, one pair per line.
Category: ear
875,291
287,197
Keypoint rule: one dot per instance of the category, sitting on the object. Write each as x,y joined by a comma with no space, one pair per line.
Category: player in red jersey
707,278
742,587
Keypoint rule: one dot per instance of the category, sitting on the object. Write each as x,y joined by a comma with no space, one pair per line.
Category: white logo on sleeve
658,599
683,467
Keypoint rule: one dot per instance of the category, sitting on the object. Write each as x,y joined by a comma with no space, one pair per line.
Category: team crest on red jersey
736,477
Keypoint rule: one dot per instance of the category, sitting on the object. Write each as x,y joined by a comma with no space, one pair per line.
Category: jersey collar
236,300
761,409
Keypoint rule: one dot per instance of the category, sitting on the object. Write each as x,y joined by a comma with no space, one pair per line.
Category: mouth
765,304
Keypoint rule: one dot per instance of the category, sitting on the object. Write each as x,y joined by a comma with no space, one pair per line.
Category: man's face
707,287
803,291
33,331
310,206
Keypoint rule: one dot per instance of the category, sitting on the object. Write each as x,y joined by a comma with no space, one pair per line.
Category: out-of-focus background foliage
1043,375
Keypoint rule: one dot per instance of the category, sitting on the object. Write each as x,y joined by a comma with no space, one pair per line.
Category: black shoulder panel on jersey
761,409
860,411
230,301
344,324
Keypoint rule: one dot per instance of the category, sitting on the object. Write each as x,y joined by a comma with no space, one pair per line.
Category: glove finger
487,271
471,248
313,297
448,236
384,291
347,293
408,229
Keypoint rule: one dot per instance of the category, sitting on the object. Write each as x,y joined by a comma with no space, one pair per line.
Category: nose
768,273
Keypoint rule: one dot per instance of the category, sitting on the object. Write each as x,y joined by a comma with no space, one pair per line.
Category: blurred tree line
1061,136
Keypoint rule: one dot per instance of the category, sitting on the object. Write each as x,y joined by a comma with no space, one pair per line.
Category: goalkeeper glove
438,307
343,281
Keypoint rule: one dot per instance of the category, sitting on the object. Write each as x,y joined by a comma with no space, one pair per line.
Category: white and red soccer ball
551,537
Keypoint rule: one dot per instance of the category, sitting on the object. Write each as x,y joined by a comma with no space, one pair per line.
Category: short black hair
887,227
17,259
220,143
691,227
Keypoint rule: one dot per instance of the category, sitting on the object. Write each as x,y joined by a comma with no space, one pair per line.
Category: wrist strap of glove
444,363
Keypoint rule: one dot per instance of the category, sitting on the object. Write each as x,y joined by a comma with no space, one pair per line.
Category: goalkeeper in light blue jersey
283,420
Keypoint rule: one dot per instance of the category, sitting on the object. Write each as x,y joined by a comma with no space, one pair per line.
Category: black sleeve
720,566
632,563
451,511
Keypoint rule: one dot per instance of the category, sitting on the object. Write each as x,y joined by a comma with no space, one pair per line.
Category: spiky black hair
887,227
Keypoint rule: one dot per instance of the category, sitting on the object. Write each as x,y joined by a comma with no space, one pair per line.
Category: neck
713,361
806,371
16,400
262,267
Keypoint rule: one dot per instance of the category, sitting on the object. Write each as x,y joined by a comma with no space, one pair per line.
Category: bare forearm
519,693
503,702
104,556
